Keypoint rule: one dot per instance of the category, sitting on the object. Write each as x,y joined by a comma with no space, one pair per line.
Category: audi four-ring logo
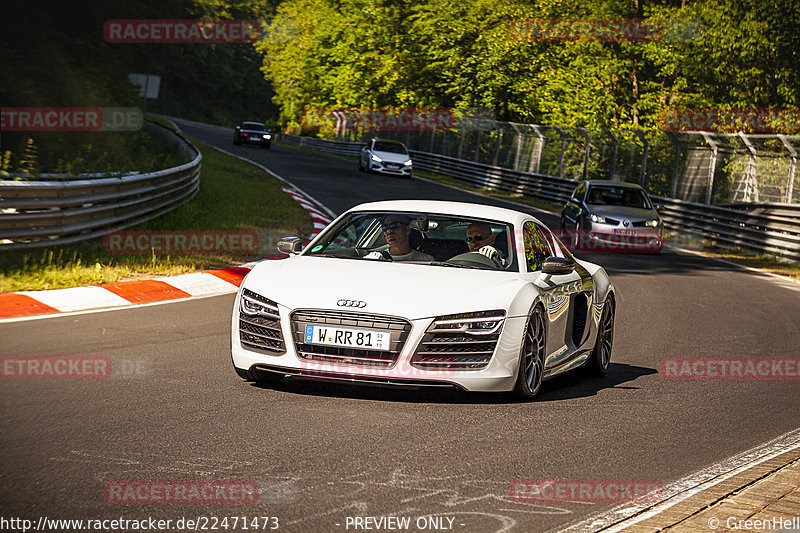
351,303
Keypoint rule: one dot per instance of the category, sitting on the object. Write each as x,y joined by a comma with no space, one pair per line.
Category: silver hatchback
606,216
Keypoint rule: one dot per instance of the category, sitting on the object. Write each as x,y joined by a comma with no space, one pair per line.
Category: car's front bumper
497,376
608,238
390,168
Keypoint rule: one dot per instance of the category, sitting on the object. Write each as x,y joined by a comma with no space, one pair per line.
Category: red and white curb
126,293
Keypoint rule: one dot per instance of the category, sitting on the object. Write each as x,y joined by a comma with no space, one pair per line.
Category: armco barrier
66,209
763,227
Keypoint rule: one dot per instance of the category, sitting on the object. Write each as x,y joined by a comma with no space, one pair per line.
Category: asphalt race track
325,452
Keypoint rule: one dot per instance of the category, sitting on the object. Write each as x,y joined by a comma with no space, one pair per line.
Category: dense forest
728,54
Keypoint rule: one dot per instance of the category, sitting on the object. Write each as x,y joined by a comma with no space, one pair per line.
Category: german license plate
625,232
348,337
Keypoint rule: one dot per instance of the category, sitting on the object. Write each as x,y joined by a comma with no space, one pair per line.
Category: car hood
400,289
618,212
392,157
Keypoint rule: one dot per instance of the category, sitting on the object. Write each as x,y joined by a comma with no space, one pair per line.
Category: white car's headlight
481,323
376,158
408,163
651,223
599,220
252,306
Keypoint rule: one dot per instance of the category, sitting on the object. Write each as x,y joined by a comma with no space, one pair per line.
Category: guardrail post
586,152
792,166
613,168
713,166
677,167
646,144
537,151
497,147
563,149
750,178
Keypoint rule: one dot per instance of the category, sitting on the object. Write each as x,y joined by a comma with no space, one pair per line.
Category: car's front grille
454,350
398,329
612,221
261,331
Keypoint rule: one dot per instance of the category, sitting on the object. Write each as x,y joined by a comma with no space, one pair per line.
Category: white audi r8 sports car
425,293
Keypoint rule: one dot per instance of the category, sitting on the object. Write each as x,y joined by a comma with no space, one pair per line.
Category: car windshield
620,196
253,126
424,238
384,146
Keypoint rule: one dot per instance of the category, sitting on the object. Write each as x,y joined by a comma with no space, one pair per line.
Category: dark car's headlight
480,323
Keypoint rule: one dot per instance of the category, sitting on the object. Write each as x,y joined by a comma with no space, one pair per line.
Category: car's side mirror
557,265
658,207
290,245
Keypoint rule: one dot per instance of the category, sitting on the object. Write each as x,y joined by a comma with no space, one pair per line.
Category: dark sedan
252,133
604,215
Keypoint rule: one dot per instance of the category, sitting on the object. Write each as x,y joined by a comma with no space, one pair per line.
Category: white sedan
385,157
487,299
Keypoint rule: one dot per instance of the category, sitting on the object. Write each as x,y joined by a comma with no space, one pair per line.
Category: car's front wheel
601,356
531,361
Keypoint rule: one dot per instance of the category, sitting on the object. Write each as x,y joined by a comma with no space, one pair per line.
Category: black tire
601,355
531,359
258,376
360,166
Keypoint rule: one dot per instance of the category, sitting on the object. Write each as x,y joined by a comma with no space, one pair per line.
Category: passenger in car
481,239
397,231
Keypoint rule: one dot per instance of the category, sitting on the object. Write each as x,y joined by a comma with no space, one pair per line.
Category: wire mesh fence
703,167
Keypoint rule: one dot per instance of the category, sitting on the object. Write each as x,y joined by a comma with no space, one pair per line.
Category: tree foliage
438,53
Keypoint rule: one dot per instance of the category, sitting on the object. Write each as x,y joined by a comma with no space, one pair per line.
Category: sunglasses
476,238
392,226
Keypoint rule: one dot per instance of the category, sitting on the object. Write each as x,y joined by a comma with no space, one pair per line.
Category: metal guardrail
35,214
763,227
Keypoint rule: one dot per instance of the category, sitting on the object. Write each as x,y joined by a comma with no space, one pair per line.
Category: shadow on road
569,386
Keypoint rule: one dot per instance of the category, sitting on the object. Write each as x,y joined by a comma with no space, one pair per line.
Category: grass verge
234,196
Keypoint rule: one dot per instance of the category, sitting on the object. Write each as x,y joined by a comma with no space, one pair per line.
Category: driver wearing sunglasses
481,239
397,231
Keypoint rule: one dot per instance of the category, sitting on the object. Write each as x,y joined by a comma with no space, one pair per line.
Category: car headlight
481,323
376,159
408,163
253,304
651,223
267,136
599,220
